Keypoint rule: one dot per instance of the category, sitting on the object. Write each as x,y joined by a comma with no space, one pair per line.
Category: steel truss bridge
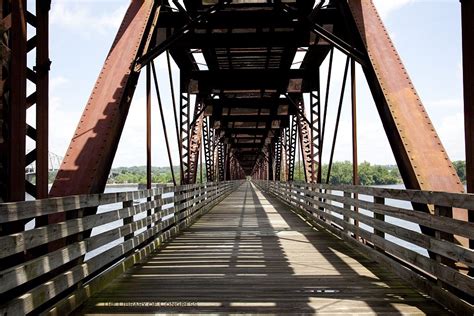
250,238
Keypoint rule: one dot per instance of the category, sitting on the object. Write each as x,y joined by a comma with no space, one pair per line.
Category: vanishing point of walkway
252,254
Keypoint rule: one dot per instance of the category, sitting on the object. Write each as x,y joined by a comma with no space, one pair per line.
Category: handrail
142,227
440,270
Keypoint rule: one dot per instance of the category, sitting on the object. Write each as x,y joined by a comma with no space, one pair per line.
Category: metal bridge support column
88,160
417,148
208,139
184,117
277,160
13,105
420,156
15,102
291,147
305,139
191,155
467,7
315,104
221,161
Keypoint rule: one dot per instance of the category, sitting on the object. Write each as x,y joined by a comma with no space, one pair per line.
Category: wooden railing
58,281
431,260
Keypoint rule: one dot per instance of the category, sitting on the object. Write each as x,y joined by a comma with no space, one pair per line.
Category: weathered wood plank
249,255
39,295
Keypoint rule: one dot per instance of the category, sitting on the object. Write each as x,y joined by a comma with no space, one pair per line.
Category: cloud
385,7
84,19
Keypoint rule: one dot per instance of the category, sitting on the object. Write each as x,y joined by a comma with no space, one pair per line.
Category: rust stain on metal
426,155
89,156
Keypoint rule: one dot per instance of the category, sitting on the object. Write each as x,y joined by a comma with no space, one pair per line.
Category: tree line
341,173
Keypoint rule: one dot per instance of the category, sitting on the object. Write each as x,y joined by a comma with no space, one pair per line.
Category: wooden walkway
250,254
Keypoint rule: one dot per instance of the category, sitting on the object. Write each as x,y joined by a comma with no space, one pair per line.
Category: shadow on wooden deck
251,254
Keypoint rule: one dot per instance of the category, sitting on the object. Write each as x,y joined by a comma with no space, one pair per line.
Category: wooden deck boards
250,254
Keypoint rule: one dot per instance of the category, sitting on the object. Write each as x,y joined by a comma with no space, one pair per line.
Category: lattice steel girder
18,22
221,161
208,139
306,145
315,110
195,136
90,155
421,157
277,159
291,133
184,123
290,80
13,107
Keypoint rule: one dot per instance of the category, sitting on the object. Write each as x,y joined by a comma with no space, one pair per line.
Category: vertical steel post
355,158
42,96
148,127
467,14
17,103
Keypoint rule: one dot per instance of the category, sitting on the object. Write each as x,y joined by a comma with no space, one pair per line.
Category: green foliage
341,173
137,174
460,167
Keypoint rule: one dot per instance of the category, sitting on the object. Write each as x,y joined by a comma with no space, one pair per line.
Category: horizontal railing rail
432,260
132,225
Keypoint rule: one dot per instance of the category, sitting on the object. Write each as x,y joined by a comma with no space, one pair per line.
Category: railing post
443,211
347,206
129,219
378,216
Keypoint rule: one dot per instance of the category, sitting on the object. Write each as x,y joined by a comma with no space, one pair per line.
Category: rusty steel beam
415,143
304,132
148,127
467,9
184,117
16,104
420,156
221,161
90,155
467,14
277,159
291,133
42,97
315,126
208,139
195,137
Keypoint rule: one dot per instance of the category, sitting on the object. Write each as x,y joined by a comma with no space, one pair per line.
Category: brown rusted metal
291,134
184,117
355,158
89,157
16,104
305,140
415,142
315,126
467,13
195,137
421,157
42,97
148,127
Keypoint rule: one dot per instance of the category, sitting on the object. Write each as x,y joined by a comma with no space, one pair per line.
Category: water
389,219
115,206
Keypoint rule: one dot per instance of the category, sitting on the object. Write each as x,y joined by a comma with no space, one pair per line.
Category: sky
426,33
